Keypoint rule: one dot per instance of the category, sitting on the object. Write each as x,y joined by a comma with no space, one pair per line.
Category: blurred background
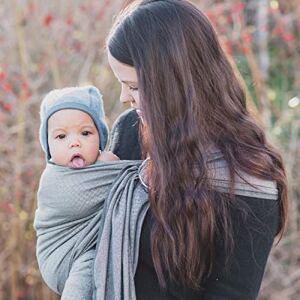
53,44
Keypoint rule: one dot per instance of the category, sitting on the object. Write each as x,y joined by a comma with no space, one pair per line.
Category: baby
73,131
73,134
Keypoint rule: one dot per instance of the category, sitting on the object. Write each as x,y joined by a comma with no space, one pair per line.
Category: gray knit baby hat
87,99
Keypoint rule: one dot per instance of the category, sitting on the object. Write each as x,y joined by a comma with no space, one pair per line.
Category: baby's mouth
77,161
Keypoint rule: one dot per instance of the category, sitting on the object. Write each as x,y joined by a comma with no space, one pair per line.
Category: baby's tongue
77,162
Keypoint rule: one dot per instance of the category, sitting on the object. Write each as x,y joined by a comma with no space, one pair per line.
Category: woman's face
127,76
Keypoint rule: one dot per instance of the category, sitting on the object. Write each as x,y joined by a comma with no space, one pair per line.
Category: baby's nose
74,143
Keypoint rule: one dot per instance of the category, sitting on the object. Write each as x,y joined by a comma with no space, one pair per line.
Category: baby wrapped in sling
79,186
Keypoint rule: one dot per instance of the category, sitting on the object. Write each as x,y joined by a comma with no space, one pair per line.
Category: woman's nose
125,96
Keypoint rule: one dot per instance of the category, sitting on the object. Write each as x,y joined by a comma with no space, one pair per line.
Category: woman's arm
241,277
124,140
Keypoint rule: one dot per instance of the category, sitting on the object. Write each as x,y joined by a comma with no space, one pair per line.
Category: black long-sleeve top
254,234
241,280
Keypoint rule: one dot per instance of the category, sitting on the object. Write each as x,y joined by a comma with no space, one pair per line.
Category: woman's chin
140,114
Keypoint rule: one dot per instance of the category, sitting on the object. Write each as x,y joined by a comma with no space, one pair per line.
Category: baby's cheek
93,155
59,154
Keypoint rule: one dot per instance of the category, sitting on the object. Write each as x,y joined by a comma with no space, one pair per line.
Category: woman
198,241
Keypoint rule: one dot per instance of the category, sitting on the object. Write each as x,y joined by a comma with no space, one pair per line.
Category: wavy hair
191,100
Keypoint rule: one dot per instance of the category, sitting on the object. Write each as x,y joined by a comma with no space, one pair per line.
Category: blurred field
51,44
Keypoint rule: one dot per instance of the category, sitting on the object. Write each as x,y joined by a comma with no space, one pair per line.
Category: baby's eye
61,136
86,133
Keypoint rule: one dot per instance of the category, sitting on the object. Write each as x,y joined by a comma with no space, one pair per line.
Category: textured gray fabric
118,239
67,221
245,185
75,207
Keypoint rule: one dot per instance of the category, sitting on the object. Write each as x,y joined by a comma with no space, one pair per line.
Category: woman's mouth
77,161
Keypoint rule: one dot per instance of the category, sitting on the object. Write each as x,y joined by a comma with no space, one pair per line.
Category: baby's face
73,138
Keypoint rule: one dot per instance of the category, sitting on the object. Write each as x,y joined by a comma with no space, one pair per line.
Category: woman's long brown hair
191,100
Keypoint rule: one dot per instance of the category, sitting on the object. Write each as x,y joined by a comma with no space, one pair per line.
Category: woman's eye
85,133
133,88
61,136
